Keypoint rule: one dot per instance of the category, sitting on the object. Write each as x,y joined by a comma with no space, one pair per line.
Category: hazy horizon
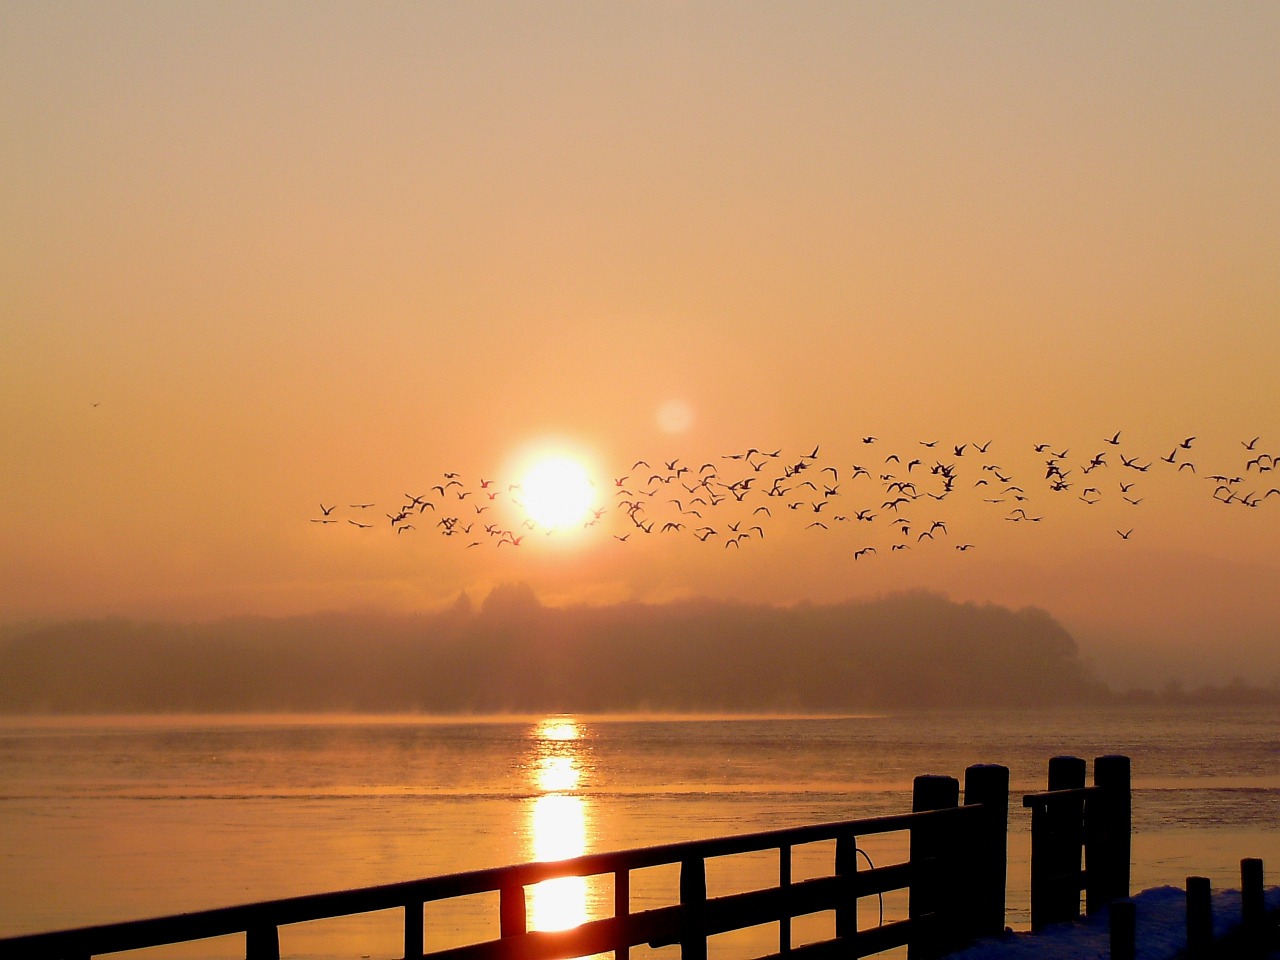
508,654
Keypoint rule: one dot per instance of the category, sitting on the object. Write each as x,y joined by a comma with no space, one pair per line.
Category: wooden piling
988,849
1199,916
1107,833
931,900
1253,908
1123,930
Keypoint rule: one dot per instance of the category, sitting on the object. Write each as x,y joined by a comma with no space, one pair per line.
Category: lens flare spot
675,416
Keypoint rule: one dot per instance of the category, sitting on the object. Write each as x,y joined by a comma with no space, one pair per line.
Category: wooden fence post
931,901
784,884
693,898
1108,828
622,906
413,930
1057,841
1199,916
847,908
987,784
512,921
1253,907
262,943
1124,928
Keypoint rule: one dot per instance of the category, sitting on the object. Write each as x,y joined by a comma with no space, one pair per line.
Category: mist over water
117,818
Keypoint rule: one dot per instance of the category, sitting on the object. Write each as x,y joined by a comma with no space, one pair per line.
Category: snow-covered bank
1161,930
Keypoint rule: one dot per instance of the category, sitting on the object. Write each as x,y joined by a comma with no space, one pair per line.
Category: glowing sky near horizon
259,258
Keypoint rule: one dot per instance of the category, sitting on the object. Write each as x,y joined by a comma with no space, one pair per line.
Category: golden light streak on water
557,774
559,729
559,831
559,824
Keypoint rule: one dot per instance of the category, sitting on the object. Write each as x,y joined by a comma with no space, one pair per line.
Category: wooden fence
1080,839
954,879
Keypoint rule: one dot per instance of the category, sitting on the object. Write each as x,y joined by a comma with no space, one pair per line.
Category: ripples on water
107,819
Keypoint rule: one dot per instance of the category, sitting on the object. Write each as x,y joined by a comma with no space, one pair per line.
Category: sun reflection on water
559,823
556,774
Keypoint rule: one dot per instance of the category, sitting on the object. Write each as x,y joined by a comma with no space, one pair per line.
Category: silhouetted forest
512,654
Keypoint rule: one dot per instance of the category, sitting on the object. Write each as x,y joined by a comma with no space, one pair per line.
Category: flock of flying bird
735,499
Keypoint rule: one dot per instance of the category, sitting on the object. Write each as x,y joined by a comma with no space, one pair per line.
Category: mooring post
1199,916
1108,826
987,784
1123,930
931,899
693,900
1253,907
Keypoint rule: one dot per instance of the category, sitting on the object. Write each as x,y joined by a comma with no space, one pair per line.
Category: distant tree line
1236,693
510,653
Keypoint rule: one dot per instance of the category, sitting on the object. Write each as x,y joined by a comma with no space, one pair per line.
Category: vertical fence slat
784,884
262,943
693,898
846,868
413,946
621,906
511,911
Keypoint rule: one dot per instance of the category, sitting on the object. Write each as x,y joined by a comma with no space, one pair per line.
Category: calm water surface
106,819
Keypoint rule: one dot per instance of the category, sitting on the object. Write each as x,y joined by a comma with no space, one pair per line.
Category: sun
557,492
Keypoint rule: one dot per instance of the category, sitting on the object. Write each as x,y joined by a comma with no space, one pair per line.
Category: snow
1161,924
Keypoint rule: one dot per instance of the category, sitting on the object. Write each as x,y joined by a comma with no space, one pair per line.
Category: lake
115,818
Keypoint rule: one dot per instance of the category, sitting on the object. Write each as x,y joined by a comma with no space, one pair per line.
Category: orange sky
260,258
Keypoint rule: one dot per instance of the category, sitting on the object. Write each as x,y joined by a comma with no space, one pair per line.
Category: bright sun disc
557,492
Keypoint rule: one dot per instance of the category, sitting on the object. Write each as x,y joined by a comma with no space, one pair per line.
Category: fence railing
954,879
